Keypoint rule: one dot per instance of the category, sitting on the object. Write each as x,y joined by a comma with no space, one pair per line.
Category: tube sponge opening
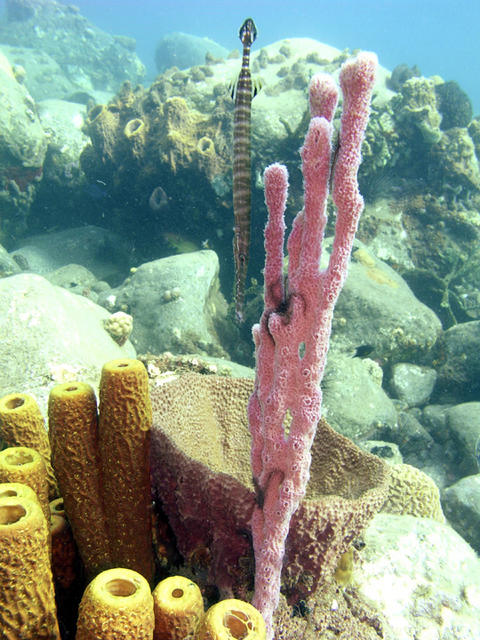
232,620
178,606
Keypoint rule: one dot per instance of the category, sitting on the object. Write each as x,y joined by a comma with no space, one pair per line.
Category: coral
293,334
26,466
72,412
116,605
135,132
416,106
179,138
454,105
102,126
108,500
200,470
22,424
413,493
119,325
232,619
124,445
454,161
178,608
27,599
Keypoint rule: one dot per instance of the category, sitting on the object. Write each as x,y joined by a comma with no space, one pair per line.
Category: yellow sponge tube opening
178,606
232,619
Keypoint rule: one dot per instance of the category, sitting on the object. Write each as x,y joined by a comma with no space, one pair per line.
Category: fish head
248,32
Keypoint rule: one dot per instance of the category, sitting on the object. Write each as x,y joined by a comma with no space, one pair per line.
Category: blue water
440,36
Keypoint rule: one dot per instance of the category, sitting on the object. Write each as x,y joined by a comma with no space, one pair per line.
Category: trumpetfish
243,93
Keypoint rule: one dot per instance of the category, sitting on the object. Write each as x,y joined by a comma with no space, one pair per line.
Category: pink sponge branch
292,337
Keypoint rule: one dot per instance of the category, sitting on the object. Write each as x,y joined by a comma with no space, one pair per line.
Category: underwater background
437,35
117,236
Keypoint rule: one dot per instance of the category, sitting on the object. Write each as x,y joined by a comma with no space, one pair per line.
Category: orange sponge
230,619
116,605
124,444
178,606
27,598
22,425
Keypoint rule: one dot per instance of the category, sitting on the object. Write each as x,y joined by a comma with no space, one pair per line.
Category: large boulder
88,57
23,145
377,315
175,302
102,252
423,576
49,335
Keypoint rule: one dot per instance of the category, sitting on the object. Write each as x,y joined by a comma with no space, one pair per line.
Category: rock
8,266
63,122
461,504
412,384
76,279
183,50
88,57
435,420
459,370
98,250
387,451
23,145
370,316
454,161
50,335
423,576
44,77
174,302
354,402
412,438
464,427
416,106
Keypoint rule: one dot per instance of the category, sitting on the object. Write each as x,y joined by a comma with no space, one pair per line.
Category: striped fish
243,94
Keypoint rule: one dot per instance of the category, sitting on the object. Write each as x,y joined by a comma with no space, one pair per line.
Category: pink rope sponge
293,335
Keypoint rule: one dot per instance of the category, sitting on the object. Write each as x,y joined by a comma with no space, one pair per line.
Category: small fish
97,190
178,242
243,93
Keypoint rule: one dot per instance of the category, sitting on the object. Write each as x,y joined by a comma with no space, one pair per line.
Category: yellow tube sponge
73,427
27,598
57,508
178,607
124,442
116,605
22,425
17,490
232,619
25,465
